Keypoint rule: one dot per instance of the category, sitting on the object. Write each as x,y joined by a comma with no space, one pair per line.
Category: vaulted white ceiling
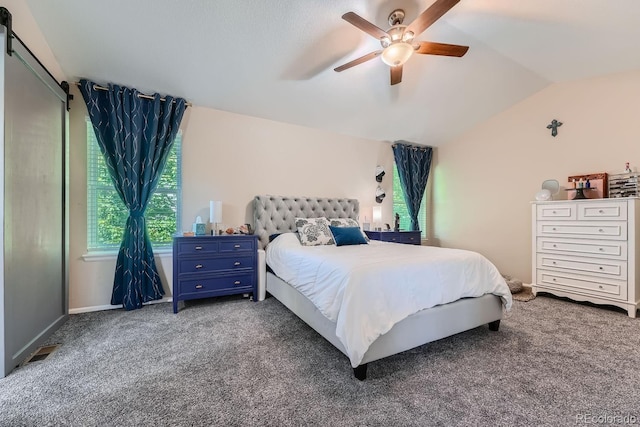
275,59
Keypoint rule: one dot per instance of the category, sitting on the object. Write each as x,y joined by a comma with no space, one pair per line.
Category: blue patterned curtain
413,163
135,135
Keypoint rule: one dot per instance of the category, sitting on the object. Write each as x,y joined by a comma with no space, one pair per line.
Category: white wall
484,181
232,158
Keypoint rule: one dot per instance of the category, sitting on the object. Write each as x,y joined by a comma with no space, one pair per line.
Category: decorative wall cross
554,125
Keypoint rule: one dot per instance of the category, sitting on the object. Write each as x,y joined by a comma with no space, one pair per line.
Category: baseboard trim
112,307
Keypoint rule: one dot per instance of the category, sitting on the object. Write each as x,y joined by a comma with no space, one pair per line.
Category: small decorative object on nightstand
211,266
407,237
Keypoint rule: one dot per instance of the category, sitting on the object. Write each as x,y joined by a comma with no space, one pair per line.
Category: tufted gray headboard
277,214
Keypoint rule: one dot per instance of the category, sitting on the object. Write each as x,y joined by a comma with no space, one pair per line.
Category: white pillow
314,231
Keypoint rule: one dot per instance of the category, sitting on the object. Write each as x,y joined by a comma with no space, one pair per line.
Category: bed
276,215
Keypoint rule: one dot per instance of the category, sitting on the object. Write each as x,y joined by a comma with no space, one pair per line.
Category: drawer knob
554,279
553,262
237,282
198,248
198,286
236,246
600,230
198,266
600,211
555,246
601,249
554,229
553,212
600,286
600,268
237,263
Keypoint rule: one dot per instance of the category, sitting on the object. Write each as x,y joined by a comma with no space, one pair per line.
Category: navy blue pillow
347,236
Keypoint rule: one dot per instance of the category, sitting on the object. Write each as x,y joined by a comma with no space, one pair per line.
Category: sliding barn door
34,266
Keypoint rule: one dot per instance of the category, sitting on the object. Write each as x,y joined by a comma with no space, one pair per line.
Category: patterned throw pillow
314,231
346,222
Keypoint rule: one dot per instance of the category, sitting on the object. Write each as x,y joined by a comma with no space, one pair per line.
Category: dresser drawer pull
555,246
600,268
553,262
554,279
600,230
237,282
600,286
600,211
198,266
553,212
554,229
198,248
237,263
236,246
601,249
198,286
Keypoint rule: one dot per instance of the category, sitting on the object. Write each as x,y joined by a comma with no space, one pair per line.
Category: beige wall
484,181
232,158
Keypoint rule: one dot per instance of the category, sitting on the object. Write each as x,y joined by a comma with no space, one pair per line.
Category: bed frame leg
495,325
360,372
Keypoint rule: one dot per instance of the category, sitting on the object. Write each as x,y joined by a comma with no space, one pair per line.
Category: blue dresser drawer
405,237
230,244
199,265
194,246
209,284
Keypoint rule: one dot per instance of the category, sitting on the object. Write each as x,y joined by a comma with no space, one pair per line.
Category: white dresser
586,250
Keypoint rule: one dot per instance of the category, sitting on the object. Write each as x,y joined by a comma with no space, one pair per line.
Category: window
400,207
107,215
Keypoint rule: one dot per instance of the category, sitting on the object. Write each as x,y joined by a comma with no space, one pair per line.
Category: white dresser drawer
602,211
587,229
593,266
587,285
557,212
587,248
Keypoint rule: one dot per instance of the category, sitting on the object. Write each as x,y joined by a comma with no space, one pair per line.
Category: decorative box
199,228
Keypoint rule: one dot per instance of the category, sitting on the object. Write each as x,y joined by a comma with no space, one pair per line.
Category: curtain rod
140,95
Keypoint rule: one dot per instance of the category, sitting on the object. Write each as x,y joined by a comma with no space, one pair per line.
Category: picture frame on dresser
598,186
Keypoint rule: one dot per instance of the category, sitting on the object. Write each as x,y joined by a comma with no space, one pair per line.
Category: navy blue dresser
407,237
211,266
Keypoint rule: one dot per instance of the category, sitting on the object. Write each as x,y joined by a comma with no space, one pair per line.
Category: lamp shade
215,212
377,213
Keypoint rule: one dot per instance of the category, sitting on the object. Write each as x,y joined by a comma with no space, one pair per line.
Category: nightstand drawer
216,283
197,246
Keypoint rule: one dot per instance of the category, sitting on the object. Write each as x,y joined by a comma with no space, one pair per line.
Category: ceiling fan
398,44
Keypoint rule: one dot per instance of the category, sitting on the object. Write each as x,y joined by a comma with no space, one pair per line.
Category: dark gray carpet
232,362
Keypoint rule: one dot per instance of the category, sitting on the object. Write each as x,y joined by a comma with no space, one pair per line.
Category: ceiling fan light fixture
385,41
397,54
408,36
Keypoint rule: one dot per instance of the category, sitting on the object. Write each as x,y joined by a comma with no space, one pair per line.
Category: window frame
94,187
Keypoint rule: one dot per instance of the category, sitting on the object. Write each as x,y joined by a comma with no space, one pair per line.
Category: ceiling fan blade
430,48
396,74
360,60
364,25
431,15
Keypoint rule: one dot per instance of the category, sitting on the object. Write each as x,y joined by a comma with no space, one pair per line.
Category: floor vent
42,353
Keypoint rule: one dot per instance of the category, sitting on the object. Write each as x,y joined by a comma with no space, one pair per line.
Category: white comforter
366,289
